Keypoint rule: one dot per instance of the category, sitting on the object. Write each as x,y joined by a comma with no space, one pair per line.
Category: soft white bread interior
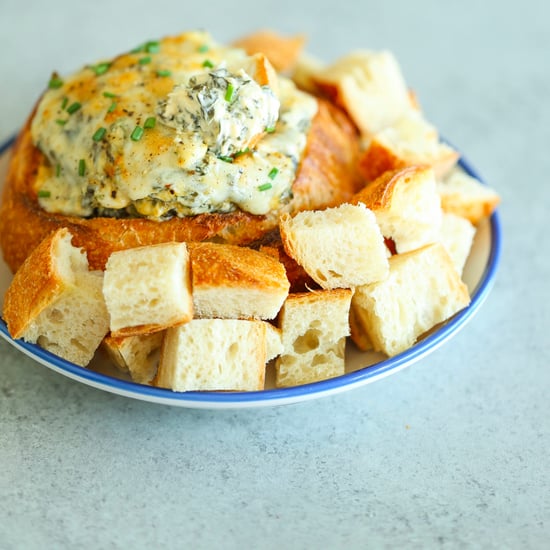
406,205
305,72
422,290
148,288
214,354
314,328
465,196
457,235
137,355
410,140
338,247
369,86
53,300
274,342
232,282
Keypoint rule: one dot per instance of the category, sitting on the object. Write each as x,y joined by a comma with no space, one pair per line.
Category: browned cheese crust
327,176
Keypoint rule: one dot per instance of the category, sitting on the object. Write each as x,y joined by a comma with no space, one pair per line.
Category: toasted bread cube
338,247
369,86
465,196
233,282
422,290
406,205
148,289
411,140
314,327
137,355
282,51
56,302
457,236
214,354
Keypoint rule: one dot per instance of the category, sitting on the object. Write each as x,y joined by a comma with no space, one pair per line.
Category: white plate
361,368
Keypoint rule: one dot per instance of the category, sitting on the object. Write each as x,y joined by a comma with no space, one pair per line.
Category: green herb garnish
269,129
144,60
55,82
225,158
273,173
61,122
57,170
153,46
150,122
99,133
73,107
100,68
203,48
243,152
64,102
43,194
109,94
137,133
229,92
164,72
264,186
208,63
81,167
112,107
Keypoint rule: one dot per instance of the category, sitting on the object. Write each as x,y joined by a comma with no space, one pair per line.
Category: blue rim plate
485,256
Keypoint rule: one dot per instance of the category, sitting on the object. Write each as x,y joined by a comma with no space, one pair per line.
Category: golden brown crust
34,287
327,176
378,194
282,51
215,265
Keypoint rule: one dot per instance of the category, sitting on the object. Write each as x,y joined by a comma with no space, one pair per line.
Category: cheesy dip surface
176,127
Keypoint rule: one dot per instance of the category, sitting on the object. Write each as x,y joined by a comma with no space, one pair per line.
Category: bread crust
327,176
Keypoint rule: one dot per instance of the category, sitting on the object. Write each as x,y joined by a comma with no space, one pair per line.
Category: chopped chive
136,133
109,94
99,133
73,107
203,48
273,173
57,170
243,152
153,46
112,107
100,68
144,60
269,129
81,167
225,158
164,72
61,122
138,49
55,82
43,194
229,92
208,63
264,186
150,122
64,102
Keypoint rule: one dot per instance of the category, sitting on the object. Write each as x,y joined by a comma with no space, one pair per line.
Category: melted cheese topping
178,127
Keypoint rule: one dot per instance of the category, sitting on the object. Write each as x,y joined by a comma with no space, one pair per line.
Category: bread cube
457,236
406,205
422,290
148,289
465,196
338,247
214,354
137,355
56,302
233,282
410,140
314,329
369,86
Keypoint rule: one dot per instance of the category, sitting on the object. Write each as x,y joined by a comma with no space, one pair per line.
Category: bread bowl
93,155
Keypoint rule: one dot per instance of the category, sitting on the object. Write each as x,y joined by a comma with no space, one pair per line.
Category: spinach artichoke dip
176,127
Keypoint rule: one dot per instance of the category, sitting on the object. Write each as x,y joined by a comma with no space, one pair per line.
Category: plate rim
280,396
